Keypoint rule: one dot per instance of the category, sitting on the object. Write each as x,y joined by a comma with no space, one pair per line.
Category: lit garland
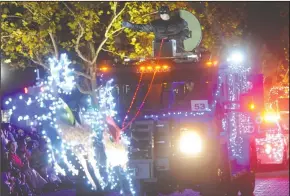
171,114
80,139
246,124
279,92
276,142
276,93
235,78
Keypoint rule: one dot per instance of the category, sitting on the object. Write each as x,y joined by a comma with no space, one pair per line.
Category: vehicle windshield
176,96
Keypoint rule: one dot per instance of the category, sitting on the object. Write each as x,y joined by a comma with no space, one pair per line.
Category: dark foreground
270,181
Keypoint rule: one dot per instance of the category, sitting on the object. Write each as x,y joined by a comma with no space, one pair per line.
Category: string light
78,139
178,114
235,78
279,92
142,104
133,99
276,144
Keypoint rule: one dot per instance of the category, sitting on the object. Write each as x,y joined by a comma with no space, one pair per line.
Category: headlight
190,143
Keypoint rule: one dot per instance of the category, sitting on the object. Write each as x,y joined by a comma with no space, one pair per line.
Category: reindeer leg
84,165
93,163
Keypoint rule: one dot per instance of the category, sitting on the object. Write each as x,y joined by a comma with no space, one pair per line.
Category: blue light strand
63,83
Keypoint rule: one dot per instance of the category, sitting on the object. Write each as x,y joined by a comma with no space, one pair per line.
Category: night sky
264,22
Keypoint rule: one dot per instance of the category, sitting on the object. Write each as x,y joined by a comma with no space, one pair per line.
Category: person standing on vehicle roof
167,27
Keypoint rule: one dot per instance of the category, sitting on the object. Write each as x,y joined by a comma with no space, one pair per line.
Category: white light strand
79,139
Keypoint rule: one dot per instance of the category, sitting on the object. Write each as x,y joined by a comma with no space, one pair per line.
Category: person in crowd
15,133
20,135
34,179
4,141
8,135
6,186
22,151
12,156
22,187
39,158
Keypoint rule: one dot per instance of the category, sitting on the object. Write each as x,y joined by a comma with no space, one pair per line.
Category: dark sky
264,22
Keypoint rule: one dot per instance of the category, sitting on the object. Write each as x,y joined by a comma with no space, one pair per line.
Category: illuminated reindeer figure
79,137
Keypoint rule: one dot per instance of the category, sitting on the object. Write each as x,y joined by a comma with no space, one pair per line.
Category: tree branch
81,34
99,49
82,74
82,90
113,20
40,63
106,34
13,16
54,45
116,31
78,43
5,36
115,53
115,10
30,10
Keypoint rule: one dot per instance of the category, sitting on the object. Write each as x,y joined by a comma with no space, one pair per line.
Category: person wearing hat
167,27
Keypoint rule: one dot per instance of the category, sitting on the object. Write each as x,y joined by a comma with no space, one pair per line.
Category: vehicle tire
247,185
230,190
148,190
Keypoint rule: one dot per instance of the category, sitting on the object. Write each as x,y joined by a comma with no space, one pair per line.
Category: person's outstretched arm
138,27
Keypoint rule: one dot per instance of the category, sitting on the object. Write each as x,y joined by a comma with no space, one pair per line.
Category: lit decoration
142,104
246,124
133,99
61,74
153,68
279,92
237,123
76,140
272,146
171,114
104,69
211,63
276,94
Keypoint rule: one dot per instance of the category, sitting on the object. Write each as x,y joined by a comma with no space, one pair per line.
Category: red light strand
143,102
133,99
